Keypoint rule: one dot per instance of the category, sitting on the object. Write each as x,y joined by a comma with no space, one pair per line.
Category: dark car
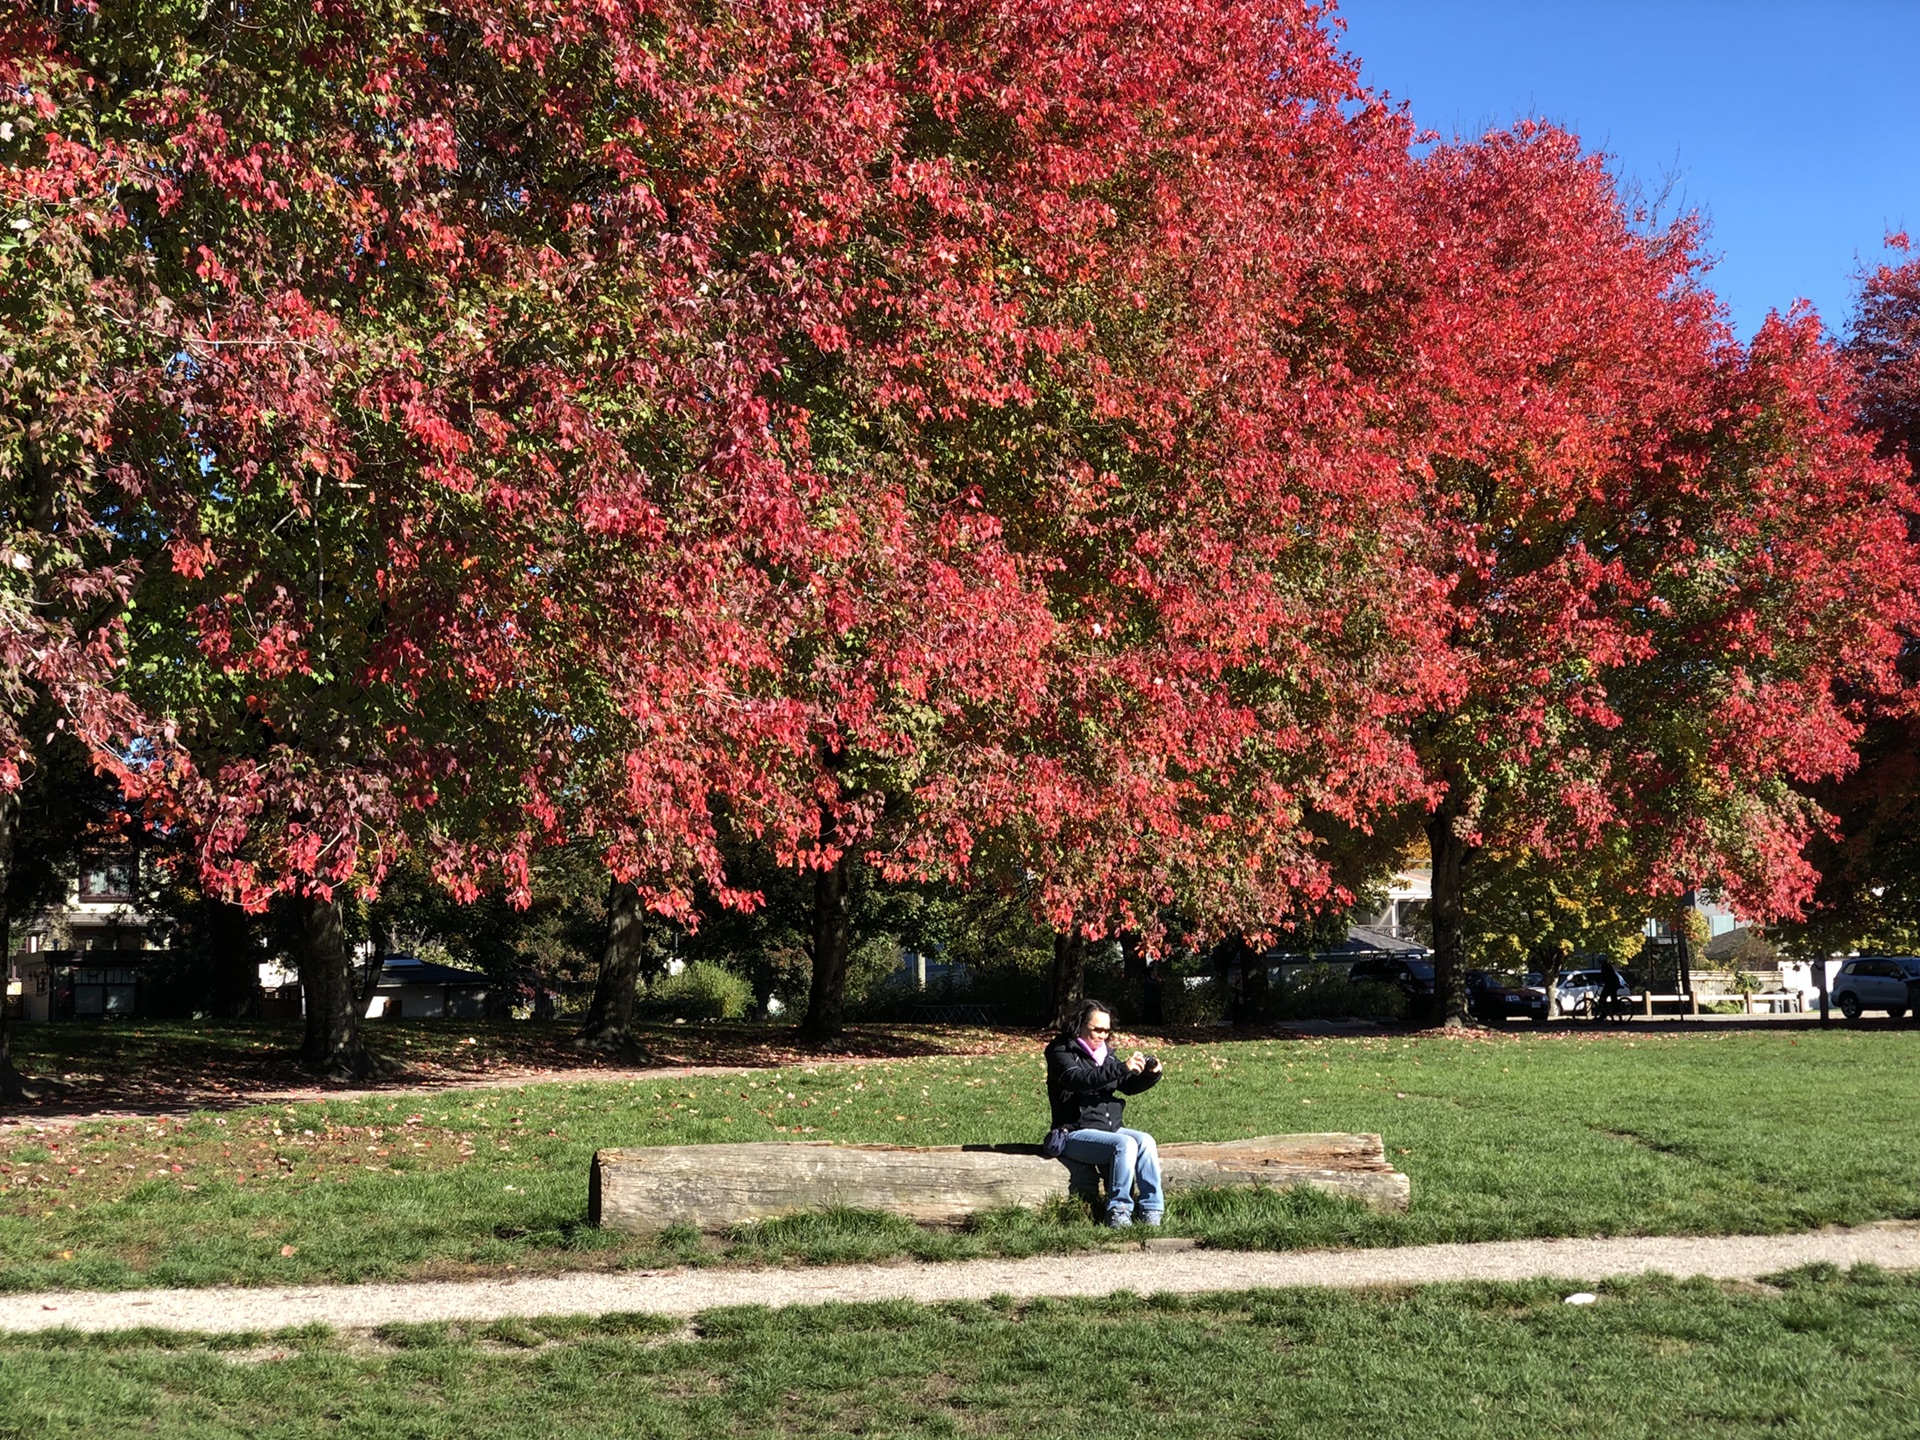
1493,1000
1413,976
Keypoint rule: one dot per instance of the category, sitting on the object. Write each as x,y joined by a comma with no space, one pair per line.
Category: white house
84,958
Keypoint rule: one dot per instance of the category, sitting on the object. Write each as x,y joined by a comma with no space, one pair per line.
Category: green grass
1825,1356
1504,1136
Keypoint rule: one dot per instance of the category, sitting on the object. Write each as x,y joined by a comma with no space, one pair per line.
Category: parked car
1878,982
1413,976
1492,999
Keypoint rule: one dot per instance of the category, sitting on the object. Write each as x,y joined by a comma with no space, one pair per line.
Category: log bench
711,1187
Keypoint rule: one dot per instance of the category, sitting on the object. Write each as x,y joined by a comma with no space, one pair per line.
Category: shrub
1192,1000
1323,992
873,965
702,991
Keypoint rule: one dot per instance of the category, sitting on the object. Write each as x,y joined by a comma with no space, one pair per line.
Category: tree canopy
1084,451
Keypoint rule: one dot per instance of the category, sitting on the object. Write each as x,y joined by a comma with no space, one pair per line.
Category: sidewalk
1892,1245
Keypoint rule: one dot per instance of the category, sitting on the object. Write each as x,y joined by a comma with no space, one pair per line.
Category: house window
101,991
107,878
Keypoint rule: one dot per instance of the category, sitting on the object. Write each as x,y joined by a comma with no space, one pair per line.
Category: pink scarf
1098,1052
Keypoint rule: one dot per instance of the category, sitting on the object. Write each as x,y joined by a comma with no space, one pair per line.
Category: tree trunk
1069,974
609,1022
12,1088
1253,986
333,1046
1451,856
1685,986
832,942
235,960
763,988
1133,981
382,938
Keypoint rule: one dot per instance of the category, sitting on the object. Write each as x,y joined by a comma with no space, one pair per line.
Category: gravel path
1893,1245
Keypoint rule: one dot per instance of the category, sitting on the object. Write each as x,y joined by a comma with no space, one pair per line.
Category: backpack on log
710,1187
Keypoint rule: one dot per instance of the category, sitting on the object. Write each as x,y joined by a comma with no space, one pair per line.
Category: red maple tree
1233,653
1665,557
1883,345
1868,895
429,334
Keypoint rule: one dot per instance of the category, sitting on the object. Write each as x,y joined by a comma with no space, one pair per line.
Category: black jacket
1086,1096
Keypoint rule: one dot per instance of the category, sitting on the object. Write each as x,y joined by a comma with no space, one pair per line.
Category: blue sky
1794,128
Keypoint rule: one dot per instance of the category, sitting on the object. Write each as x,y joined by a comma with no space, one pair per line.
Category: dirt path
1893,1245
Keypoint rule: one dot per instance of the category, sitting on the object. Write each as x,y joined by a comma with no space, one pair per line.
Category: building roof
1741,945
412,970
1374,940
1361,941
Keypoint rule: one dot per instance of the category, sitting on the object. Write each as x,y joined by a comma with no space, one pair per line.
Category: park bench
711,1187
1642,1002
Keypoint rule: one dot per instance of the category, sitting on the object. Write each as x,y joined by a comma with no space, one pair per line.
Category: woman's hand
1136,1062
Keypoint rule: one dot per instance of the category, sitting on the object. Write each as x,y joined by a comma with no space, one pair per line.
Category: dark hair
1088,1008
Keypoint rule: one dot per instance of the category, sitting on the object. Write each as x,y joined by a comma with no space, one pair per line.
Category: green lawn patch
1824,1355
1503,1136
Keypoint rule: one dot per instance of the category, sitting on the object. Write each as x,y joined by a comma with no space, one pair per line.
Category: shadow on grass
167,1066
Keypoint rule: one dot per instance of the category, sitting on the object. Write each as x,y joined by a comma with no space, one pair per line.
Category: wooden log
710,1187
1350,1165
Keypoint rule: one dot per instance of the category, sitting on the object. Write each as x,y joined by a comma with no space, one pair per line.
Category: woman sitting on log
1085,1081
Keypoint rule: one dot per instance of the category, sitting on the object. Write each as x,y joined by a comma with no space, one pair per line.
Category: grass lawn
1824,1355
1504,1136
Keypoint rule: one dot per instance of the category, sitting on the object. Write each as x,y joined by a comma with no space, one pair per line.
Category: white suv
1575,992
1875,982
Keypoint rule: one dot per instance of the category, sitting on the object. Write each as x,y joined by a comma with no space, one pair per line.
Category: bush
702,991
873,966
1323,992
1192,1000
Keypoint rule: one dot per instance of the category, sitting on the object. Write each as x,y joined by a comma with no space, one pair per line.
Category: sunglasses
1100,1030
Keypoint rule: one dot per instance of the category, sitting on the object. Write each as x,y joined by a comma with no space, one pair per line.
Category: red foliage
63,584
1234,660
1884,347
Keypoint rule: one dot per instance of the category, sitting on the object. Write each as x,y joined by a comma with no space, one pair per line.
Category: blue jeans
1130,1159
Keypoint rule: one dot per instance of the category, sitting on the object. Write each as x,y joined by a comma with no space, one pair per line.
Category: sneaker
1151,1218
1120,1222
